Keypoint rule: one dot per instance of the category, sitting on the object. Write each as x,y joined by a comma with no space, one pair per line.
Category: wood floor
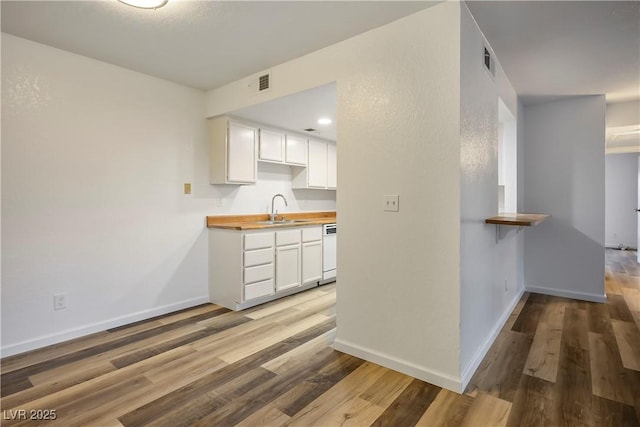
557,362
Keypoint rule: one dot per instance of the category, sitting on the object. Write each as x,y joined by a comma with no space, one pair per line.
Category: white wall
490,279
94,157
621,200
398,109
623,113
564,176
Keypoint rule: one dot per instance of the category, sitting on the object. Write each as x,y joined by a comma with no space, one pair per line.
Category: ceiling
298,112
547,48
202,44
554,48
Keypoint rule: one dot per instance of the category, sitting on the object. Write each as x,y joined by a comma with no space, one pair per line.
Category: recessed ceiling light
145,4
324,121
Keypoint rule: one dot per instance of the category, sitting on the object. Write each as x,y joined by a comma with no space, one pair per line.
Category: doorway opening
507,160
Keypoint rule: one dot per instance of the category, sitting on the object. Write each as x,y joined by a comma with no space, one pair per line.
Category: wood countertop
517,219
253,222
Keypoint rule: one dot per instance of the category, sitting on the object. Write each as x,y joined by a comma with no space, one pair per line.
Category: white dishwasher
329,236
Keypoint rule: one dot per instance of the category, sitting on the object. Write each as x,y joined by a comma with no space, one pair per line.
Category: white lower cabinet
288,254
311,261
311,254
287,267
247,268
259,289
258,274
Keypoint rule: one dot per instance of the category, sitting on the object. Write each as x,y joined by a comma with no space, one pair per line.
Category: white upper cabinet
296,150
271,145
233,152
277,147
332,166
317,164
236,148
321,170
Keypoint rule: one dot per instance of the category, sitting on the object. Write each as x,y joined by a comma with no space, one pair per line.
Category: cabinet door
332,166
271,145
296,150
317,164
287,267
311,261
241,153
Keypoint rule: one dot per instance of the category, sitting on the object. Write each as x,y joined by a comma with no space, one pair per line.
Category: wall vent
264,82
488,61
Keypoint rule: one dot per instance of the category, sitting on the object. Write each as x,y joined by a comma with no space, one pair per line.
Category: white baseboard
481,352
81,331
567,294
421,372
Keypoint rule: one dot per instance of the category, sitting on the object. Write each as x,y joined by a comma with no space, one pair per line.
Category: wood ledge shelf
517,219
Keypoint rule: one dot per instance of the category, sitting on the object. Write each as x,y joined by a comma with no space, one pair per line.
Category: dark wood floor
556,362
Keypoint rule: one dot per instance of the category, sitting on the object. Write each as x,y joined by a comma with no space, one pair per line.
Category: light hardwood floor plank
447,409
628,339
267,416
487,410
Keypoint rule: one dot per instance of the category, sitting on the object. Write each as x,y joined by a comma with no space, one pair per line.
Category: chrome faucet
275,213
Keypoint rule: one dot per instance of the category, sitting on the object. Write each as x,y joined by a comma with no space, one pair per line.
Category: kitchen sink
286,221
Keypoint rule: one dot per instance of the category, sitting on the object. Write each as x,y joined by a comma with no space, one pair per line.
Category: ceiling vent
488,61
264,82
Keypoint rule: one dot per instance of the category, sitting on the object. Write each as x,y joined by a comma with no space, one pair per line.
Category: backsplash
256,198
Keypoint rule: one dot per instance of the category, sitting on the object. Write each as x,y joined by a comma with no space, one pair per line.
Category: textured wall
93,161
489,270
621,200
398,133
564,175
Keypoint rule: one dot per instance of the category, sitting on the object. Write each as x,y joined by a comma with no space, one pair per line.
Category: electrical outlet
187,188
391,203
59,301
219,203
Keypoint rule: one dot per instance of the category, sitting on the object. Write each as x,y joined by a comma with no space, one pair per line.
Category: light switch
187,188
391,203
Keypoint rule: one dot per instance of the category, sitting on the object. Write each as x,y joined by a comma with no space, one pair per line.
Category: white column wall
490,271
398,133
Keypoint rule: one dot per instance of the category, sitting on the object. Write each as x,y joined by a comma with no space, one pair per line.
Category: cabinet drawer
258,256
258,241
259,289
288,237
257,274
311,234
